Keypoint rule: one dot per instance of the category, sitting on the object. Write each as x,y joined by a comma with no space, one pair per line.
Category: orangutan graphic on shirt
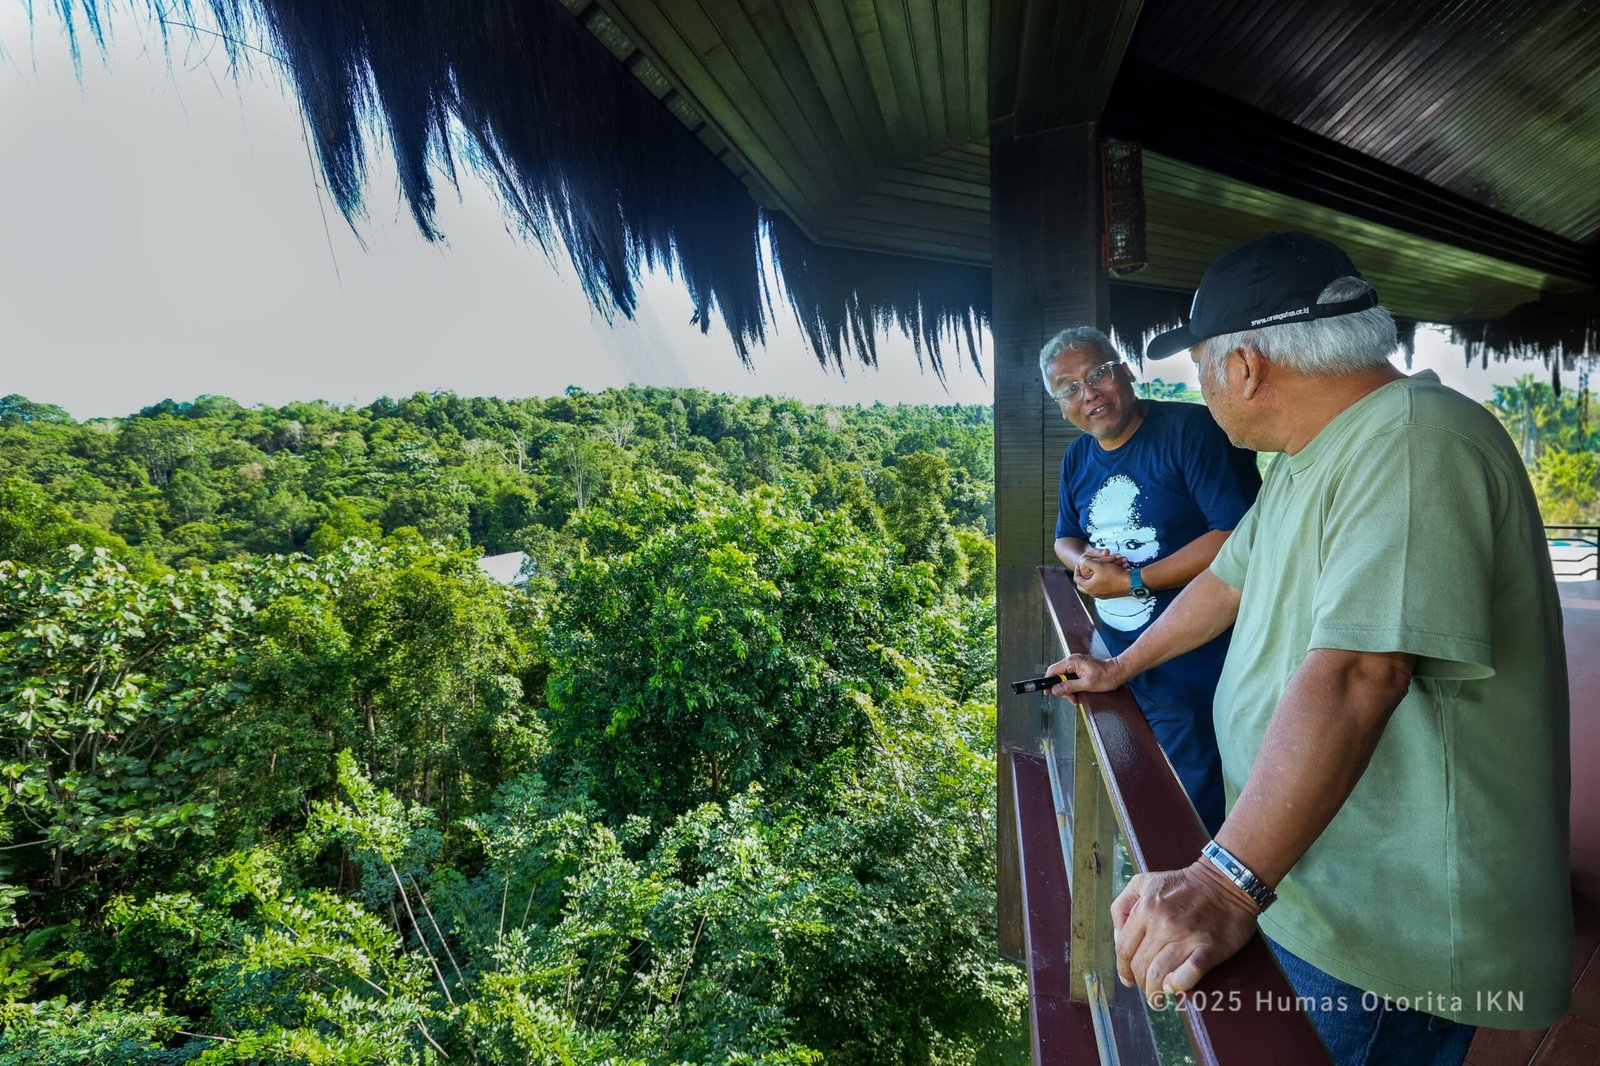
1116,525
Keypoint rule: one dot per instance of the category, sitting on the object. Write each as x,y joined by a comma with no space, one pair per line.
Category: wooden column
1046,223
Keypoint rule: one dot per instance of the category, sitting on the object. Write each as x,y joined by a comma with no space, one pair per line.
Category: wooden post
1047,276
1094,834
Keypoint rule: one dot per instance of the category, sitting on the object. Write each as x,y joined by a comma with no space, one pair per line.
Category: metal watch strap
1137,586
1239,874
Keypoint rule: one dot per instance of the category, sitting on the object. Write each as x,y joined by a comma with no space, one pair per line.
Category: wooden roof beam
1197,125
1052,63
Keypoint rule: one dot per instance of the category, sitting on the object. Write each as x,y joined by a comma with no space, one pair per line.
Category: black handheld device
1038,684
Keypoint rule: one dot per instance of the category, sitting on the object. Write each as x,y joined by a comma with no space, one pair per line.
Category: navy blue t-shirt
1176,479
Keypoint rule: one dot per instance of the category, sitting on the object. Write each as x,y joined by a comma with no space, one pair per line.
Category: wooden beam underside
824,102
866,121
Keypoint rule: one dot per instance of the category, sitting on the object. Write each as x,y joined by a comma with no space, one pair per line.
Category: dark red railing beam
1198,125
1062,1031
1243,1012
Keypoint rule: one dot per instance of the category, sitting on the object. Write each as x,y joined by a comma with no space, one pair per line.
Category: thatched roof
590,164
587,163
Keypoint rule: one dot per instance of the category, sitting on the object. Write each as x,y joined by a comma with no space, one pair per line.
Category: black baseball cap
1273,279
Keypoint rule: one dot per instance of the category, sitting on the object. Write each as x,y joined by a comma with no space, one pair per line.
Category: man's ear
1254,367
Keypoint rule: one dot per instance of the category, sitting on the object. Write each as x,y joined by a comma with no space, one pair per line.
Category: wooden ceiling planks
1495,101
769,72
866,121
822,30
921,21
1206,127
1005,35
1193,214
750,129
950,27
834,68
935,207
893,62
975,43
822,100
1055,64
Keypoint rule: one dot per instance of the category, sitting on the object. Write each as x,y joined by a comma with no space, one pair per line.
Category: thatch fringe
582,155
586,159
1532,331
1139,312
931,303
1558,334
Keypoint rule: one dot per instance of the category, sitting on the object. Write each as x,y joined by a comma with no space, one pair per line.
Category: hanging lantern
1122,199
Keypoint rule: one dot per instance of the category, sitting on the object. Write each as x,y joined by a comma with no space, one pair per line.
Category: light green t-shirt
1408,525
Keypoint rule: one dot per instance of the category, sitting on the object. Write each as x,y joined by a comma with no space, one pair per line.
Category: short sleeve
1222,480
1233,560
1408,554
1068,522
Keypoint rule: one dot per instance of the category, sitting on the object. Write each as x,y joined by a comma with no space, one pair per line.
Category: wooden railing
1098,769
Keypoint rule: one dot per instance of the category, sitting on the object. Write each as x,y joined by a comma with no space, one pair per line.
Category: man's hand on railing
1093,675
1172,927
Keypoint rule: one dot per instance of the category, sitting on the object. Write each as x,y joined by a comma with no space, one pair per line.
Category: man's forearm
1322,735
1185,564
1070,551
1203,610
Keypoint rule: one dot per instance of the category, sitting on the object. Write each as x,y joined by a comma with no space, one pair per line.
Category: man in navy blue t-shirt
1148,495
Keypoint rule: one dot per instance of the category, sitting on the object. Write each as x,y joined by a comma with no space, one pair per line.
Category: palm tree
1538,419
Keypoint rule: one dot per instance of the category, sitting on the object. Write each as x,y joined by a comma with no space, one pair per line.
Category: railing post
1094,827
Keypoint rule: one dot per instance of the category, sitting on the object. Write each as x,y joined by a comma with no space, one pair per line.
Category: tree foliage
289,780
1558,437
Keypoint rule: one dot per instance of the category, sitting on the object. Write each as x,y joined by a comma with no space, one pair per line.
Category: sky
163,234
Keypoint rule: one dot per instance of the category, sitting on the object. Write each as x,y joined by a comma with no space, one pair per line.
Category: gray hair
1074,338
1343,344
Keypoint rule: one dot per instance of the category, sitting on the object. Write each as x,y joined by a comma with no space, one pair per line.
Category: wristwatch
1239,874
1136,585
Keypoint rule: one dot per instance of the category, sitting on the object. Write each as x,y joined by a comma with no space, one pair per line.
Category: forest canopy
289,779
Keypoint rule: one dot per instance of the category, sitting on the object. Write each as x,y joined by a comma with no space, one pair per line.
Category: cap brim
1171,343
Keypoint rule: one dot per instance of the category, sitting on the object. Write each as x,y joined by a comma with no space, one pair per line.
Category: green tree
1565,484
1157,389
190,498
510,510
159,443
746,635
434,667
434,511
1538,419
344,521
915,514
977,551
33,530
109,690
709,789
16,410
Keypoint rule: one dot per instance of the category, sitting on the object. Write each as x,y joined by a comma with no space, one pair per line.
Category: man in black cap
1392,713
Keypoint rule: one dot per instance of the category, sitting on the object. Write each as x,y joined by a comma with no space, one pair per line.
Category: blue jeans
1176,699
1365,1030
1189,739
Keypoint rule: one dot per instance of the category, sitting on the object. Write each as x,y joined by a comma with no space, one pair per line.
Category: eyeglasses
1073,389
